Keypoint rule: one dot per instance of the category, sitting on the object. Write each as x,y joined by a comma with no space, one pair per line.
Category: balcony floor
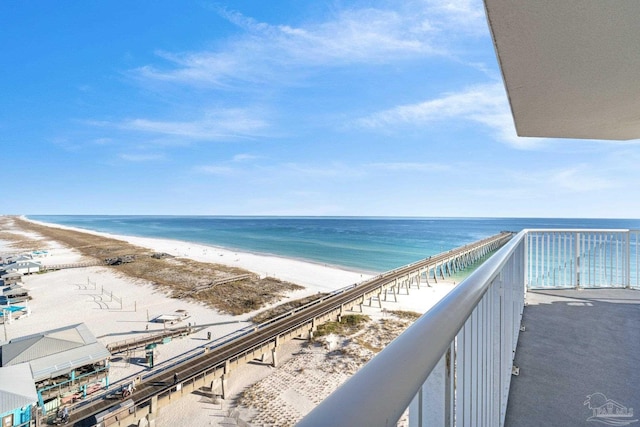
576,343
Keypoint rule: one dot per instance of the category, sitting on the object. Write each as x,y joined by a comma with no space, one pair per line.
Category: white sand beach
66,297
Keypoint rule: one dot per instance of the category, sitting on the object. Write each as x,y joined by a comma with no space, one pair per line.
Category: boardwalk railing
453,366
73,265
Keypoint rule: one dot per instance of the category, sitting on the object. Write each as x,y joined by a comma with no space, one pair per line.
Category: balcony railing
453,366
583,258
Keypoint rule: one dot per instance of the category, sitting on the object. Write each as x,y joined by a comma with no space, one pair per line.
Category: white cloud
141,157
332,170
356,36
328,171
195,68
477,101
244,157
576,178
382,34
463,16
485,104
215,125
215,170
580,179
410,167
225,167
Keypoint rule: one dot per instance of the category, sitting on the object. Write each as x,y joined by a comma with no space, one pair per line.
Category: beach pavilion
66,363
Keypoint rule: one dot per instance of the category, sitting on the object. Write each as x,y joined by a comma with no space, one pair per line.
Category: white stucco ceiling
571,67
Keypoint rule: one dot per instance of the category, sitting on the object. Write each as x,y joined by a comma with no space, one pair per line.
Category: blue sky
279,108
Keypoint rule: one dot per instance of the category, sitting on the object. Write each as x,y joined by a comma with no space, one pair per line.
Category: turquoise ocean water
360,243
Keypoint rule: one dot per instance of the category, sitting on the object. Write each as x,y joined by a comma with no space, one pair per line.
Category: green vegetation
349,324
182,278
405,314
276,311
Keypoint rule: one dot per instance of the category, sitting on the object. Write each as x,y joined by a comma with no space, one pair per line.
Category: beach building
13,293
25,266
39,253
9,278
9,257
66,363
9,313
22,257
18,396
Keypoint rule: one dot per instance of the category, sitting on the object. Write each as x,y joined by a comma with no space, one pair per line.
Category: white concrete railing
453,365
583,258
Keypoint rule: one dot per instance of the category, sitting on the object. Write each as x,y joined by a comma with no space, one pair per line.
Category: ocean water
360,243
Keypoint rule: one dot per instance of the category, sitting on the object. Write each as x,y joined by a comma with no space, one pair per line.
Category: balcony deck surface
577,343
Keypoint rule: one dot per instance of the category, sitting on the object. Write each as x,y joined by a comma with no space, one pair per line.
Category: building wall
17,417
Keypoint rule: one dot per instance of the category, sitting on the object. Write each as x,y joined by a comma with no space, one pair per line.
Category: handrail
476,326
410,358
582,258
578,230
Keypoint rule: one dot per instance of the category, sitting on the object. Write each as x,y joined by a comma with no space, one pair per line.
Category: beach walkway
579,359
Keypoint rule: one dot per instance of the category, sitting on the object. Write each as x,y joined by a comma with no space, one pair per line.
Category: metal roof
570,67
56,352
18,290
17,389
21,264
9,275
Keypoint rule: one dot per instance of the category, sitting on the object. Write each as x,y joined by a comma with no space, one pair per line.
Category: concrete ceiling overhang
571,67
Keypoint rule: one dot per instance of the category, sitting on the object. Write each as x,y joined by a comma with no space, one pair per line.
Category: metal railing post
430,403
627,260
577,261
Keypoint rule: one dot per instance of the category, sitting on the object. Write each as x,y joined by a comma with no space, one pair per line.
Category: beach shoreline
295,270
130,238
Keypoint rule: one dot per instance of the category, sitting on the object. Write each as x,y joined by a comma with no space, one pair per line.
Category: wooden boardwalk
73,265
210,285
156,338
